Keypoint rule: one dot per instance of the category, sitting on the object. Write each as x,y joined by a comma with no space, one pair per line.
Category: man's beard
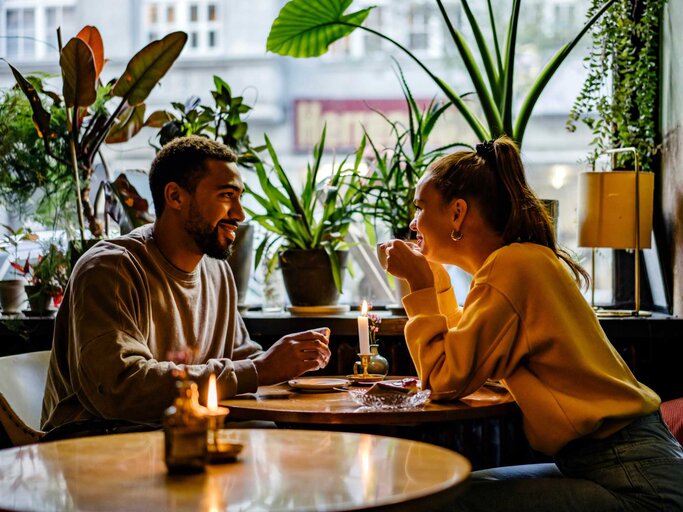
207,238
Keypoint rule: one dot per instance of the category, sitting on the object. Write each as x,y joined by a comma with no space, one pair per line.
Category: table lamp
615,211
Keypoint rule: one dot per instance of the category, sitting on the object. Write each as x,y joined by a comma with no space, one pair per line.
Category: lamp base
619,313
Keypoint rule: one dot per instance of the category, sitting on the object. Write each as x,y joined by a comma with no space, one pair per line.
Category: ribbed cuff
247,377
421,302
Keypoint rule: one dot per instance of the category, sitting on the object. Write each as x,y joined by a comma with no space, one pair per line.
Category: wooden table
277,470
283,405
487,432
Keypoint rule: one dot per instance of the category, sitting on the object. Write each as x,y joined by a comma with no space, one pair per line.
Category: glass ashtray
389,401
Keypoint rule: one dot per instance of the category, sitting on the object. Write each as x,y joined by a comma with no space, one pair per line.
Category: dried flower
374,320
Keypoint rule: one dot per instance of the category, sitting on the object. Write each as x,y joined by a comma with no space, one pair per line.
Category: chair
22,385
672,413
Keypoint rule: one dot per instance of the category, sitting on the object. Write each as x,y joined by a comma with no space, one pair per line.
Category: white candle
212,398
363,330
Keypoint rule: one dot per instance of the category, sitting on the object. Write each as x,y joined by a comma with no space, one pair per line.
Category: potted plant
222,122
618,100
48,280
310,225
298,34
96,112
12,296
33,185
389,189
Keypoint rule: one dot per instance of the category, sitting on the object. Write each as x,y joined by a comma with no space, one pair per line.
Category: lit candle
363,330
212,398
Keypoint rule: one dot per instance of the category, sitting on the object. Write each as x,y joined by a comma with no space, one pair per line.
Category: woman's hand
405,261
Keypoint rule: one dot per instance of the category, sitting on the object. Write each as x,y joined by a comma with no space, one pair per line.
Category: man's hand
293,355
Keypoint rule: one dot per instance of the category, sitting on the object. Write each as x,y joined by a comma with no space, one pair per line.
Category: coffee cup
382,255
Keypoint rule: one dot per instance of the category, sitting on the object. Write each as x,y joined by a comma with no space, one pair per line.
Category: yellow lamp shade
607,209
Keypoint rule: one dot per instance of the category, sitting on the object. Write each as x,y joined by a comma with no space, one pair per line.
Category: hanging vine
618,100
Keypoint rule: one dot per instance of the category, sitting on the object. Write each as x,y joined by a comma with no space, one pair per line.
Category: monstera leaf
307,28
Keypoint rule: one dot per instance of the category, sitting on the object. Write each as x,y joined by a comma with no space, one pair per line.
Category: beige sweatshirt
124,309
526,323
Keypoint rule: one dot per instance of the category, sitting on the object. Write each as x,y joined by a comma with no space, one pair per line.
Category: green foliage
93,110
223,122
298,34
318,216
618,100
50,273
33,184
389,190
9,243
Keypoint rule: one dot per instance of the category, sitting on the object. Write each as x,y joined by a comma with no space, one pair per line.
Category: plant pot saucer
396,309
335,309
34,314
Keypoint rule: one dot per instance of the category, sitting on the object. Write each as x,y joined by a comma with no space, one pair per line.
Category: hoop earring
456,235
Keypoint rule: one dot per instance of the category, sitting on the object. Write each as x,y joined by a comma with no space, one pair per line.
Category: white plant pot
12,296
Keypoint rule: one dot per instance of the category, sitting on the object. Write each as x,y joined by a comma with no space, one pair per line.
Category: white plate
318,383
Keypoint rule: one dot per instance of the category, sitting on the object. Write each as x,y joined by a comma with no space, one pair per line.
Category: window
170,14
418,21
59,17
152,14
212,16
21,34
194,13
212,39
371,42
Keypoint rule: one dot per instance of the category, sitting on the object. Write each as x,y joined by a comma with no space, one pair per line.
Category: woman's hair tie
485,149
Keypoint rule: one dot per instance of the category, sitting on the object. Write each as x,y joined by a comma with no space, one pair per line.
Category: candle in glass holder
217,451
215,414
363,329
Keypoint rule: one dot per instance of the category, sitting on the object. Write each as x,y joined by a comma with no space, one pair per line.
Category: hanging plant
618,100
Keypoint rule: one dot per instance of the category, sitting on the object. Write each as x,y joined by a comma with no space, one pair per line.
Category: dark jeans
639,468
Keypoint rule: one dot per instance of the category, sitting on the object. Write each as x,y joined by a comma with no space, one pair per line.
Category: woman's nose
413,225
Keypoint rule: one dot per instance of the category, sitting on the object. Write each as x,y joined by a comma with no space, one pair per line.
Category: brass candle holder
364,362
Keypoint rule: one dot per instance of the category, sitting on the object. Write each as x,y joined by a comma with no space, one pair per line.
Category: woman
526,323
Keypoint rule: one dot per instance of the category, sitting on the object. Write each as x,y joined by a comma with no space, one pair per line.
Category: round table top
281,404
286,470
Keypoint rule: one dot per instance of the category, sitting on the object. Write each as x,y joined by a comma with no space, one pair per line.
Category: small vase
378,364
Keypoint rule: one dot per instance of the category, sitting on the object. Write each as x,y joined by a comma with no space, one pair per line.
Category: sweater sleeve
445,295
456,360
116,375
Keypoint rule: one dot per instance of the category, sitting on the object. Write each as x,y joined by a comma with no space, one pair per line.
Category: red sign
346,121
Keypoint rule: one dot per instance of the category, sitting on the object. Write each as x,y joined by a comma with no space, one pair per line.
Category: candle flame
212,398
364,308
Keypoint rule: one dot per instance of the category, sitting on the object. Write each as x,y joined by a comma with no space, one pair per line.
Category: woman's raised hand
405,261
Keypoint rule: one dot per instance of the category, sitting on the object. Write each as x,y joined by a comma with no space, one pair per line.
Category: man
165,288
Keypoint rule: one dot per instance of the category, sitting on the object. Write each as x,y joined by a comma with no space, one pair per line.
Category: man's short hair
182,161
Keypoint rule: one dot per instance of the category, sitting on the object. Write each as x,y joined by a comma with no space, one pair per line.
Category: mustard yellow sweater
526,323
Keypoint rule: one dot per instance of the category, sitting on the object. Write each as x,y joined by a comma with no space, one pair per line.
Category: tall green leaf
548,72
